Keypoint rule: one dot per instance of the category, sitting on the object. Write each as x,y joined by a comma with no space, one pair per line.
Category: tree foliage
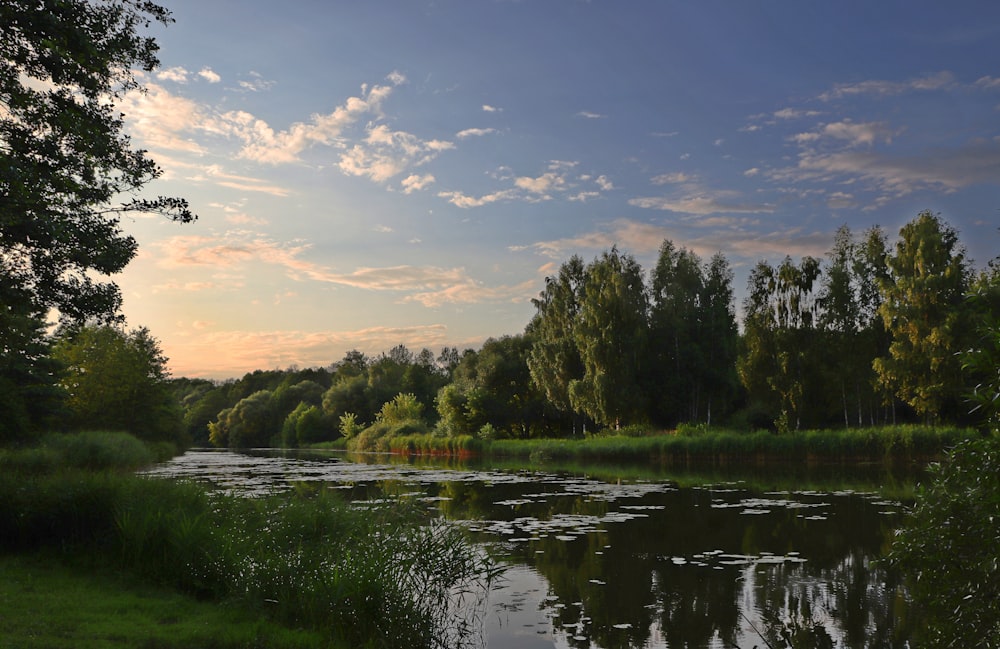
948,549
922,309
611,336
64,158
116,380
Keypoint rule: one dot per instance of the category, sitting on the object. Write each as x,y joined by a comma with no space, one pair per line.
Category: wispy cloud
703,203
474,132
896,174
881,88
590,115
742,241
428,285
256,83
559,180
854,133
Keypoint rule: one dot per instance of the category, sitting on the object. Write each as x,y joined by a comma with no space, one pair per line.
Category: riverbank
383,576
46,603
695,445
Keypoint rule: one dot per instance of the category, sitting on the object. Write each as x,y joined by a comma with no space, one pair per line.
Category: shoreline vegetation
908,443
305,571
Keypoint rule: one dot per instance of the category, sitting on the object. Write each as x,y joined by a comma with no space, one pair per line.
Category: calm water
629,557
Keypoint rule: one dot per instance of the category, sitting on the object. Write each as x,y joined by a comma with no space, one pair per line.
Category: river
609,557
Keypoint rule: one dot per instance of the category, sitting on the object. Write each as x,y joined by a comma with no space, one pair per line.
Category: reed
892,443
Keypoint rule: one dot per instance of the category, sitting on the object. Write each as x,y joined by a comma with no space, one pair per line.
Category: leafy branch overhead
68,172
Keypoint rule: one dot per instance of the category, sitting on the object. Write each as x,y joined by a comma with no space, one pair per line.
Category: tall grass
891,443
91,450
385,577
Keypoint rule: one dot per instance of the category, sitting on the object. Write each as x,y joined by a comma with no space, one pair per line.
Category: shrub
948,548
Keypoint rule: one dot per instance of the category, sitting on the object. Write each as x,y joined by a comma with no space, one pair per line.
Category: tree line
870,335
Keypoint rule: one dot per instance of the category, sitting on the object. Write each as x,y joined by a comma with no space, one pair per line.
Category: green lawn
44,604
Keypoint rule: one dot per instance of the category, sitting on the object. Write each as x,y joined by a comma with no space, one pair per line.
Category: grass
46,604
385,577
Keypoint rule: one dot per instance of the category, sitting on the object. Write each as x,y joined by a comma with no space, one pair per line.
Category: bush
949,552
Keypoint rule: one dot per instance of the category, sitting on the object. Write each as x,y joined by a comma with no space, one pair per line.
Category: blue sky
375,173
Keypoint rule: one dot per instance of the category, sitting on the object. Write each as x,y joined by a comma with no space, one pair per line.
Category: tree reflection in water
641,561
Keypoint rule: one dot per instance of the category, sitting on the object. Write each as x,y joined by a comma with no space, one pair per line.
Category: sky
377,173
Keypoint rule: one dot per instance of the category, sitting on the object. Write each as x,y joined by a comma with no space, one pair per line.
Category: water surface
639,557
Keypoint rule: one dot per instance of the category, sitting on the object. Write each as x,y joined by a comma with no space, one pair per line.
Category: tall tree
780,355
718,337
554,360
923,310
677,289
611,335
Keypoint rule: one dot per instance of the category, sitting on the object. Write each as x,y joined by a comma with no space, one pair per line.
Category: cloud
989,83
703,204
243,183
549,181
176,74
491,109
880,88
940,169
474,132
632,236
162,119
209,75
256,83
739,239
473,292
795,113
414,183
386,153
237,250
262,143
855,133
675,178
460,199
589,115
558,180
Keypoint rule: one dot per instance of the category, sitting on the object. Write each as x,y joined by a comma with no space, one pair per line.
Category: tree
611,336
251,423
493,387
554,360
718,337
922,309
781,346
64,157
117,380
30,396
677,286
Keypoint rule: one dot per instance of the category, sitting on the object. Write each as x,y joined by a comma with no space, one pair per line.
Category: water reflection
641,561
